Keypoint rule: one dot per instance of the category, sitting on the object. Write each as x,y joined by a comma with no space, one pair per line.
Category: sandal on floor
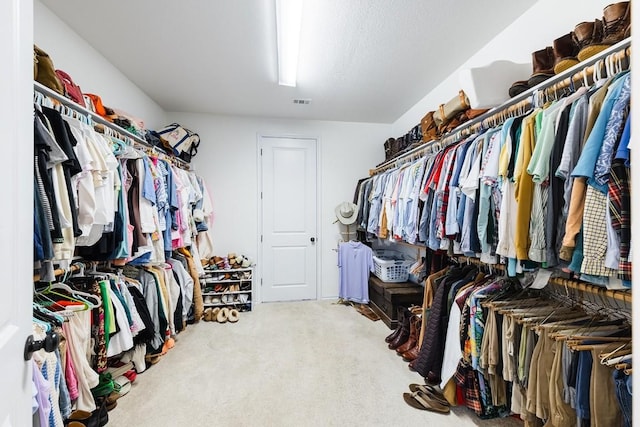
206,315
420,400
214,314
234,316
223,315
431,392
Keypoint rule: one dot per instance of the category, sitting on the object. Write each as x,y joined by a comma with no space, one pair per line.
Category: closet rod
529,94
416,152
99,119
561,81
570,283
59,272
624,296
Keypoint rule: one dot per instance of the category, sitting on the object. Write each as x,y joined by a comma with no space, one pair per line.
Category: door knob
313,239
49,343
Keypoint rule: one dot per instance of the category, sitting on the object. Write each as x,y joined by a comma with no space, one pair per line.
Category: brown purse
44,72
429,128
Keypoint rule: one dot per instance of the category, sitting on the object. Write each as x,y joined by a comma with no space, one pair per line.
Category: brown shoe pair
587,39
594,37
543,63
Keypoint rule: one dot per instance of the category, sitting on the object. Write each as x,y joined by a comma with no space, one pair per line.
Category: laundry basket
391,266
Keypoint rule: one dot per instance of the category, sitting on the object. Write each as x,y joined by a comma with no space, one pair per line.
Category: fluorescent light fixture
288,18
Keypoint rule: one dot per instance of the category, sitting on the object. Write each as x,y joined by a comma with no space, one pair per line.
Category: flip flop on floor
430,391
420,400
367,312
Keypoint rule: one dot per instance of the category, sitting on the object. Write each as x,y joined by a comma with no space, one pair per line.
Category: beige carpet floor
310,363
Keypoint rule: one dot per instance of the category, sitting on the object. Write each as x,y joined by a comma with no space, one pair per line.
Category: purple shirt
355,261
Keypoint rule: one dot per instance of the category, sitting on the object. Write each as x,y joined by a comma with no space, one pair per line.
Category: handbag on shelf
449,110
388,148
181,141
429,128
71,90
44,72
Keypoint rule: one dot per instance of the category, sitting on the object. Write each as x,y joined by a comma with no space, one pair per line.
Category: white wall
537,28
227,160
90,70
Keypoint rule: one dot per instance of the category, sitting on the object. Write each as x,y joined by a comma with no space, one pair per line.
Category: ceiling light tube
288,18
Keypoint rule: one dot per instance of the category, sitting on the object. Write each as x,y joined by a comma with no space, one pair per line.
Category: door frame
258,272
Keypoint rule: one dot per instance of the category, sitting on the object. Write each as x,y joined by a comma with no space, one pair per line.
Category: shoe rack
228,288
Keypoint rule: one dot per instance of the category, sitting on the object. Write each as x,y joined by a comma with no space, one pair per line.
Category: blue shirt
623,147
591,150
612,133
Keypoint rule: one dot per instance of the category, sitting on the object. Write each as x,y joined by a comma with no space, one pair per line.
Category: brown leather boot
616,18
565,51
588,37
412,354
396,331
542,66
413,337
405,331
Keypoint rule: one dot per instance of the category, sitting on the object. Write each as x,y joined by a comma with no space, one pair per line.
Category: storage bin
391,266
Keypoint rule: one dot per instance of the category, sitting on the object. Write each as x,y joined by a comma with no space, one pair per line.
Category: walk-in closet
315,213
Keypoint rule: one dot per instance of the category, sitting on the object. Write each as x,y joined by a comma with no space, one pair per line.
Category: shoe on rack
543,61
616,22
588,36
565,51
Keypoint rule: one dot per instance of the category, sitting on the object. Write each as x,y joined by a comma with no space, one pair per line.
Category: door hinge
261,195
261,282
261,151
261,237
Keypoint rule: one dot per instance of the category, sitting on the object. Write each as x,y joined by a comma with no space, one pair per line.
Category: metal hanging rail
102,122
519,103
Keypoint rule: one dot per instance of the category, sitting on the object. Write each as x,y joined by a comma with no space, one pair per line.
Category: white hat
347,213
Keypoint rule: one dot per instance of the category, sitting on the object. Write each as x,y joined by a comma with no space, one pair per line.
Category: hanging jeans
623,395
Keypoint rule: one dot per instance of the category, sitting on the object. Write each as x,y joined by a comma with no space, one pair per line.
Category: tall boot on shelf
405,330
412,354
398,328
413,337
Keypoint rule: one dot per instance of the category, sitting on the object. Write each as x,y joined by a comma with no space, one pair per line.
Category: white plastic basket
391,266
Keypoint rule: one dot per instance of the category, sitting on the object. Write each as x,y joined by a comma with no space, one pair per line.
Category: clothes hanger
623,350
75,295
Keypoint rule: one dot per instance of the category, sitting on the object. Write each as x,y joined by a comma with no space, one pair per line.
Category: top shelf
231,270
96,118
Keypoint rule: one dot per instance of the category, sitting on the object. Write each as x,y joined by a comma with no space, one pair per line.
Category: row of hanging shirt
104,320
100,198
510,351
549,188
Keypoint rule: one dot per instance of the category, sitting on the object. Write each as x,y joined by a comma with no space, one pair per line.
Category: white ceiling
360,60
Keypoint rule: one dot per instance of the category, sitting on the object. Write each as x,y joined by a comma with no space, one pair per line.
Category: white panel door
16,216
288,219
